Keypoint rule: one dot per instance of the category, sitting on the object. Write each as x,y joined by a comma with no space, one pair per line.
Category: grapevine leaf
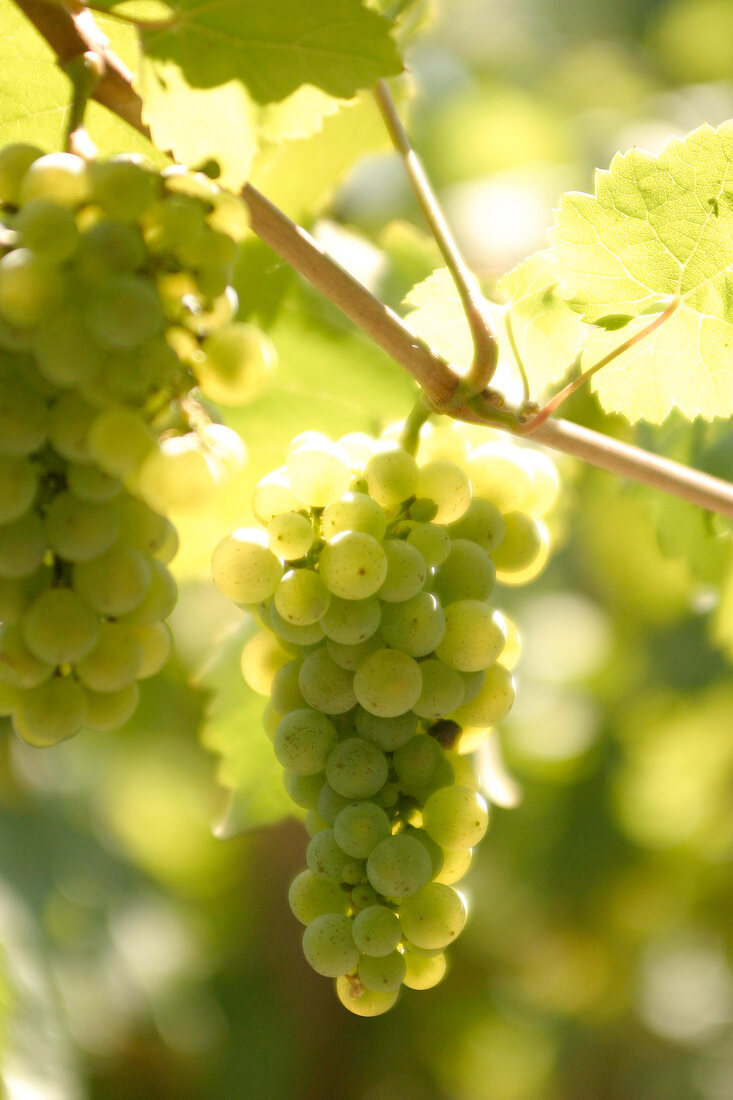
232,727
658,228
297,116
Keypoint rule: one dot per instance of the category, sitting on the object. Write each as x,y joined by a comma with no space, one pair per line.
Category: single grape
448,486
290,633
415,626
30,287
388,683
311,896
69,424
92,484
15,160
109,710
482,523
123,312
359,827
417,762
473,638
155,641
78,530
382,974
59,627
330,804
244,568
432,541
351,656
361,1001
122,188
22,545
406,571
455,817
60,177
387,733
303,741
304,789
442,690
290,535
115,582
262,657
433,916
179,475
493,701
356,768
319,473
273,497
498,474
354,512
329,946
468,573
392,477
301,597
325,685
158,601
353,565
119,440
455,865
421,972
376,930
399,866
113,662
524,541
285,693
324,857
350,622
47,229
233,363
51,712
108,248
19,667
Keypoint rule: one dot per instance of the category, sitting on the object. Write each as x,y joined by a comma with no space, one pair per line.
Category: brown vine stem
70,33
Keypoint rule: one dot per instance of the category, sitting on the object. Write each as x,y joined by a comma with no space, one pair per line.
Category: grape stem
84,70
70,33
410,436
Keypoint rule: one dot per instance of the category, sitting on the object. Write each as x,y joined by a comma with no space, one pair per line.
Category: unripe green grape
233,363
78,530
155,641
108,248
18,487
176,218
392,477
376,930
47,229
361,1001
124,312
179,475
417,762
58,626
468,573
22,545
350,622
311,896
448,486
354,512
359,827
362,896
492,703
455,864
122,188
524,540
356,768
325,685
244,568
290,535
432,541
23,418
433,916
353,565
271,719
119,440
301,597
51,712
498,474
273,496
69,424
473,638
115,582
406,571
15,160
384,974
19,668
262,657
60,177
303,741
292,633
455,817
399,866
388,683
304,789
109,710
285,692
166,548
422,972
319,473
387,733
29,287
158,601
482,523
329,946
324,857
415,626
140,526
92,484
113,662
351,656
330,804
442,690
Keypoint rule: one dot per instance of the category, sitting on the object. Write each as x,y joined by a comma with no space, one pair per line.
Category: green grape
229,216
140,526
455,817
23,418
432,541
359,447
301,597
291,633
108,248
303,741
109,710
417,762
285,692
9,699
124,312
158,601
399,866
448,486
244,568
290,535
524,540
167,546
22,545
376,931
455,865
324,857
435,852
47,229
467,574
319,473
113,662
92,484
406,571
363,895
330,804
19,668
29,287
69,423
329,946
474,636
416,626
350,622
155,641
14,598
359,827
498,474
119,440
15,160
356,768
78,530
325,685
122,188
59,627
482,523
262,657
361,1001
179,475
433,916
177,218
387,733
18,487
445,442
304,789
442,690
392,477
233,363
421,972
51,712
464,772
311,896
493,701
115,582
351,656
382,975
354,512
60,177
273,496
353,565
388,683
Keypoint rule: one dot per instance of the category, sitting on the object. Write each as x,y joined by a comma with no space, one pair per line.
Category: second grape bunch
372,574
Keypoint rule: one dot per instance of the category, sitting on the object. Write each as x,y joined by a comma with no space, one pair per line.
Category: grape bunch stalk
115,304
386,663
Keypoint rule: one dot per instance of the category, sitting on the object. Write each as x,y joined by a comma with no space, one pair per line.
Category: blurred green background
144,956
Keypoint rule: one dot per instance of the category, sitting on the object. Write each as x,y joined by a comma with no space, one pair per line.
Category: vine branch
71,33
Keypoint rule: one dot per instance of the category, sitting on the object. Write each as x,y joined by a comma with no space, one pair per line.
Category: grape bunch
372,575
114,304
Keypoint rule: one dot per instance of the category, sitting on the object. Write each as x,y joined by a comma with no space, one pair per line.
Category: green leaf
658,228
232,727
